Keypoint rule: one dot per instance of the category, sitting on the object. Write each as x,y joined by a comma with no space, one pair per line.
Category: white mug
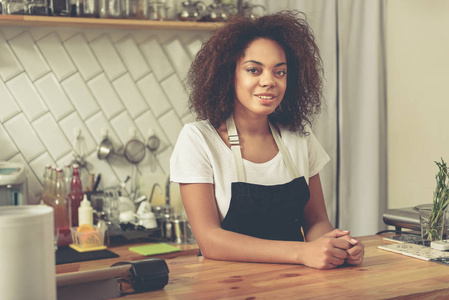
148,220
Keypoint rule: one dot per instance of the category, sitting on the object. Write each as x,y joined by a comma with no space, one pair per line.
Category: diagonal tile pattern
55,82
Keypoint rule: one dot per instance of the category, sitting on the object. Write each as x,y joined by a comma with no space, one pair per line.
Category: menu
414,247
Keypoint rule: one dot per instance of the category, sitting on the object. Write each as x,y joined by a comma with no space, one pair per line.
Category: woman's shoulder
204,127
199,130
297,139
287,133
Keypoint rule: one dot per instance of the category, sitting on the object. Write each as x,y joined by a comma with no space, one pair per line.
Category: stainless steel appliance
407,217
13,184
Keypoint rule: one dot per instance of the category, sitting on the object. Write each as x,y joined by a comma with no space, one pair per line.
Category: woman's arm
317,222
216,243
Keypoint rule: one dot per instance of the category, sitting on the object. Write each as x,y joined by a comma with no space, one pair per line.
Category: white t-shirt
201,156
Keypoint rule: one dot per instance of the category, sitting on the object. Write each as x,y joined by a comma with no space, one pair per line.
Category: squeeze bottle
85,212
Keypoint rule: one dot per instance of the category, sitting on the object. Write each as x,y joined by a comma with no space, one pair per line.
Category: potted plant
432,224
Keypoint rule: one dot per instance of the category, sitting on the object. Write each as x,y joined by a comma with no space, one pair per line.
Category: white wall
418,97
53,80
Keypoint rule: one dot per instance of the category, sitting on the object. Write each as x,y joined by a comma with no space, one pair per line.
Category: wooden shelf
26,20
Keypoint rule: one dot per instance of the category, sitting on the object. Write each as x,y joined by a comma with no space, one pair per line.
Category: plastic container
88,241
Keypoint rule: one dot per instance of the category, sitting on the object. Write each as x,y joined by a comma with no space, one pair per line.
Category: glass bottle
76,194
68,177
47,172
62,211
48,192
103,226
53,177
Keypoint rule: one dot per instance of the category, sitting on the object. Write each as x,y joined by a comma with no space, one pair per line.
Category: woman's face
261,77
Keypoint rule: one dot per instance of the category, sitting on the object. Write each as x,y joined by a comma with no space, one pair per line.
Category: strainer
135,151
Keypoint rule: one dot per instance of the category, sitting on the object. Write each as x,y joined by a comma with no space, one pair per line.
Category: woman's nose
266,79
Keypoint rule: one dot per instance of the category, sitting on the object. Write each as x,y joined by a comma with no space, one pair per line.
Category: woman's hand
328,251
356,252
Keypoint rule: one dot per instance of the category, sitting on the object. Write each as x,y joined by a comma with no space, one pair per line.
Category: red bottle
61,205
76,194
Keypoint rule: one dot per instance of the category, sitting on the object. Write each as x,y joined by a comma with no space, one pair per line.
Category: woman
249,169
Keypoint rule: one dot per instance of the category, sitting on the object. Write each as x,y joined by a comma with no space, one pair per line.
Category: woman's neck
250,123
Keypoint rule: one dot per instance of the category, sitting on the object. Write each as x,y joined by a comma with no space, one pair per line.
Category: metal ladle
105,149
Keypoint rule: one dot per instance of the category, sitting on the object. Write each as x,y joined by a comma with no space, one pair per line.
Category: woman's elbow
209,247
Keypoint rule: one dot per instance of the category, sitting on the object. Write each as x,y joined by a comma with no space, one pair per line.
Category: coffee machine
13,184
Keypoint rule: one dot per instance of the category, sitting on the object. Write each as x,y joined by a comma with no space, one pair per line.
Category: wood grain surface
382,275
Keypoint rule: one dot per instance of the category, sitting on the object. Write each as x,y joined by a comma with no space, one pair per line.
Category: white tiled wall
54,81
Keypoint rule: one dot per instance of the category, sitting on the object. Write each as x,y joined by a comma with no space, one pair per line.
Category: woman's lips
266,98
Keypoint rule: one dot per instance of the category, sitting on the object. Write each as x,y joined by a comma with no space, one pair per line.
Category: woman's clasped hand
333,249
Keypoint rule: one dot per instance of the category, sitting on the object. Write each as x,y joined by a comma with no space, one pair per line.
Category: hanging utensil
97,182
105,149
153,144
135,151
79,155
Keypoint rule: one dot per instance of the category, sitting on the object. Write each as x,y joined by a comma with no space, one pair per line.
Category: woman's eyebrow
261,64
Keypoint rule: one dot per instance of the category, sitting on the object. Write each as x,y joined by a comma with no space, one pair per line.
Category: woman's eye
281,73
253,71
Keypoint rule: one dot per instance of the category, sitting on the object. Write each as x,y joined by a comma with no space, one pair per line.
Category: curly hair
211,75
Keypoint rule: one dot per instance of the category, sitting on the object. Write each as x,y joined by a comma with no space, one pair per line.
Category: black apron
274,212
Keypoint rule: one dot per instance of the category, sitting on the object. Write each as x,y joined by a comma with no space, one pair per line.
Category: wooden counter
382,275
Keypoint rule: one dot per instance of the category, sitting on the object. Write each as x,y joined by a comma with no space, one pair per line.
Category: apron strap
287,158
234,141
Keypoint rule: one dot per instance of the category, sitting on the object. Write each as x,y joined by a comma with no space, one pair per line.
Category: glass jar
16,7
90,8
157,11
431,227
84,8
37,8
110,9
135,9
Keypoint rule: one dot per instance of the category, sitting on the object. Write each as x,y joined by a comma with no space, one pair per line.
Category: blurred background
64,89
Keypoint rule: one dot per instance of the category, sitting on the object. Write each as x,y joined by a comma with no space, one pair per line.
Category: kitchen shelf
32,21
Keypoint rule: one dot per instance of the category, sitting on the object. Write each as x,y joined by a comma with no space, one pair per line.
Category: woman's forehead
263,49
